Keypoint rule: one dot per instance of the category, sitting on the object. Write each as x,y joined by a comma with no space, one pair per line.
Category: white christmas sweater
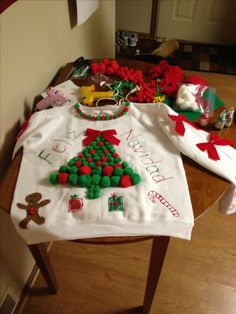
141,146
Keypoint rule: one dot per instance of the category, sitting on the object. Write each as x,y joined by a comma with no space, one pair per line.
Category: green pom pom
85,163
96,179
117,159
96,158
135,178
53,178
73,179
118,172
124,164
92,164
76,106
87,155
73,169
84,180
71,162
63,169
75,159
105,182
115,180
128,171
97,170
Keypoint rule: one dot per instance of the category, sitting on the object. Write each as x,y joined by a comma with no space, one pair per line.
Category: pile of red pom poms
147,90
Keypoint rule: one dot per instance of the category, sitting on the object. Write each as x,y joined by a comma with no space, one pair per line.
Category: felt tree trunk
97,166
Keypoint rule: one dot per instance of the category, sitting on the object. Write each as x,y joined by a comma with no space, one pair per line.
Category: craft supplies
88,94
220,123
229,117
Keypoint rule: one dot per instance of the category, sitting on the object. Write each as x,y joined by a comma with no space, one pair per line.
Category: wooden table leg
159,247
41,257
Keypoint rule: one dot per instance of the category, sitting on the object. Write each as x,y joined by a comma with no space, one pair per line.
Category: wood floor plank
198,276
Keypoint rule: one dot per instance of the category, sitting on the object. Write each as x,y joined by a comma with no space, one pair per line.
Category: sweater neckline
104,113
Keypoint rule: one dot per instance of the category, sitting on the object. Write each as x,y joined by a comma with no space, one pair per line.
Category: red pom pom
90,159
92,151
99,163
118,166
85,170
115,155
106,62
110,71
107,171
78,163
100,143
106,151
81,155
63,177
125,181
102,68
104,158
94,68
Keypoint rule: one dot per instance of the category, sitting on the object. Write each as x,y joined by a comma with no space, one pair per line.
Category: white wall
36,40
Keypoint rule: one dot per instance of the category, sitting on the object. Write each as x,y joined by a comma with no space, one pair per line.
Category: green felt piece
135,178
71,162
124,164
53,178
84,180
73,179
97,170
118,172
63,169
105,182
73,169
96,179
128,170
115,180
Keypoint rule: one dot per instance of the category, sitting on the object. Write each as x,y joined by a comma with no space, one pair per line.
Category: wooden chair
196,175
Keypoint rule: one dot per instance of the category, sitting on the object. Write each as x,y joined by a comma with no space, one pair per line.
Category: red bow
210,146
179,125
93,134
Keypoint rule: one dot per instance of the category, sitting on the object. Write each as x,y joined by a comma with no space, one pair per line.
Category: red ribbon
210,146
93,134
179,125
24,127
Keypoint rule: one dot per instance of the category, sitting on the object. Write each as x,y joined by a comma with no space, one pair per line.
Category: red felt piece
125,181
107,171
63,177
78,163
85,170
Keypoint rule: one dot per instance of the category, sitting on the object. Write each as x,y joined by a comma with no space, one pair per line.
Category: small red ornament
63,177
85,170
107,171
78,163
125,181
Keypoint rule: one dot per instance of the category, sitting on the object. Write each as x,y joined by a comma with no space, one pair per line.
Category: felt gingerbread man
32,206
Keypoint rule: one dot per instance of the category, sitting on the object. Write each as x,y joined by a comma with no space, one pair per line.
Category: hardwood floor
198,277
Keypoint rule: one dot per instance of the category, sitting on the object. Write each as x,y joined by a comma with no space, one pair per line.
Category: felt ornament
97,166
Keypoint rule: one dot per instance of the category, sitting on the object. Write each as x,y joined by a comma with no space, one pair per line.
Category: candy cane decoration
154,196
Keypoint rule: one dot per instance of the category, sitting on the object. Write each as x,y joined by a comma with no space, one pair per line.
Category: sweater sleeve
188,144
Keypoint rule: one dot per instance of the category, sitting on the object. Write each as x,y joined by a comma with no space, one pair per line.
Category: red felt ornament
85,170
125,181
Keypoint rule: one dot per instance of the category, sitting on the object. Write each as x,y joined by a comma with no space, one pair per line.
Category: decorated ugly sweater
117,173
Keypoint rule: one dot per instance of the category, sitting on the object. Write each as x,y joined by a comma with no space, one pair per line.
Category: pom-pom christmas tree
97,166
